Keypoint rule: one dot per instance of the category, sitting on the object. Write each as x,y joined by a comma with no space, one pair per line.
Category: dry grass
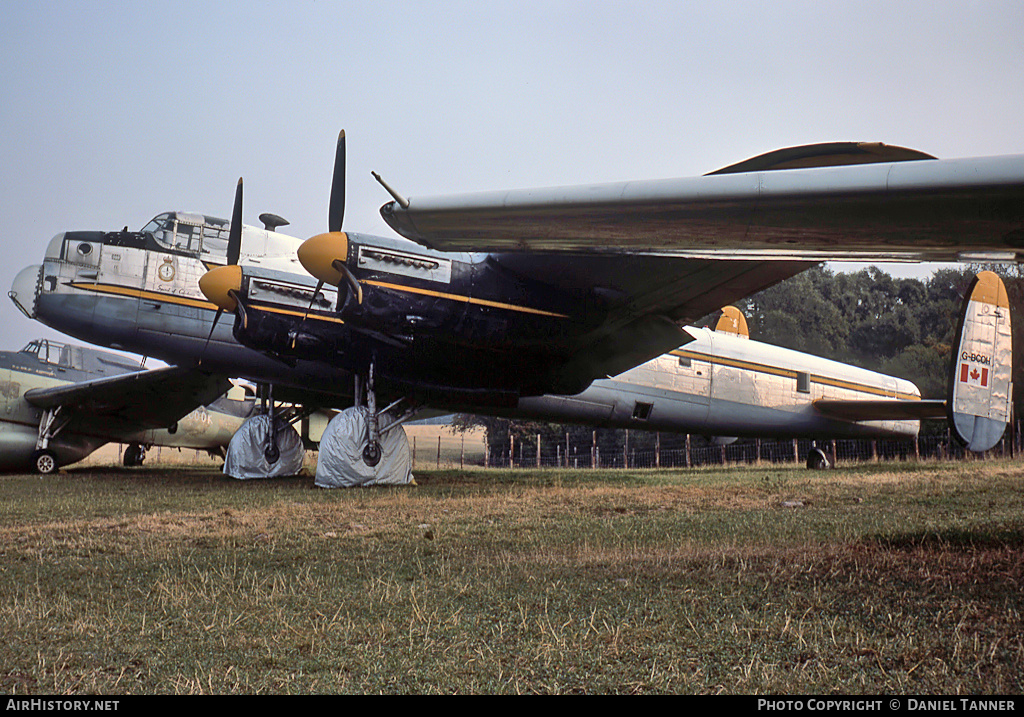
887,579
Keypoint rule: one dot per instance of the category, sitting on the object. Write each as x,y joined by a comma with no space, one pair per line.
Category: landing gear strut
372,451
271,451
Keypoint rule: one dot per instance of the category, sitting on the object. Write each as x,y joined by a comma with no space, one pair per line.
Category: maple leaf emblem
975,374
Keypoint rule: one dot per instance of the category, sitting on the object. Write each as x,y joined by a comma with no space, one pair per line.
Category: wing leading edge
913,209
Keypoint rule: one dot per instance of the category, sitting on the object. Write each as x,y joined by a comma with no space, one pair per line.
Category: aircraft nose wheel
44,462
372,454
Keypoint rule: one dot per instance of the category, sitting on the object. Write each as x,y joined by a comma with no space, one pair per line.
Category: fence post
657,449
689,463
538,450
796,452
439,451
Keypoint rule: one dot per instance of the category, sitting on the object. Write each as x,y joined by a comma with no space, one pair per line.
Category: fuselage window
803,382
642,411
684,361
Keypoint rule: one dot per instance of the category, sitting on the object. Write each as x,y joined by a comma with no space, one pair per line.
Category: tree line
903,327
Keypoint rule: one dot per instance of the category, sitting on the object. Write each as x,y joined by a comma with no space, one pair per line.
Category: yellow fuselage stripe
147,295
791,373
201,304
464,299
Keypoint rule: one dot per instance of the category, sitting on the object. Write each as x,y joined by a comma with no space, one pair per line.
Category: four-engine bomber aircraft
529,302
59,403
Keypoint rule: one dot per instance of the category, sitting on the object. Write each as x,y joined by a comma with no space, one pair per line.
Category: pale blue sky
111,112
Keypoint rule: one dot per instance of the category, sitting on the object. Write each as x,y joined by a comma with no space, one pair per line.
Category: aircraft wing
141,400
916,208
882,409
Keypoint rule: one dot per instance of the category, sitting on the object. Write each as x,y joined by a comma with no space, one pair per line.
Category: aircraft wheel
272,453
817,460
134,454
44,462
372,454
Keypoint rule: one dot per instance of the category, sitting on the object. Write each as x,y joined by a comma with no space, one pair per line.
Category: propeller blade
336,212
235,234
216,318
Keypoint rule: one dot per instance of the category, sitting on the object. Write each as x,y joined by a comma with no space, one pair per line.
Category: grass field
894,578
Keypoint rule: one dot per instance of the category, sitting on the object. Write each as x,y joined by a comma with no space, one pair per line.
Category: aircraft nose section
220,286
318,254
25,288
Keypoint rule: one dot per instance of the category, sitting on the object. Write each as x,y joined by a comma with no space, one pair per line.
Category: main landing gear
365,446
51,423
265,445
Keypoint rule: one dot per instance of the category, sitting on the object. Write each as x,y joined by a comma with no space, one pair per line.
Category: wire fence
752,451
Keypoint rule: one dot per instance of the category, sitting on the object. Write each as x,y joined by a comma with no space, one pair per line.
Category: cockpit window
190,232
162,228
188,236
215,236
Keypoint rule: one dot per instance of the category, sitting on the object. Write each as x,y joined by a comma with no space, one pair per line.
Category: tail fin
731,320
981,388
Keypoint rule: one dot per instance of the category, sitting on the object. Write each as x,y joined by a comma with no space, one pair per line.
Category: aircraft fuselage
456,331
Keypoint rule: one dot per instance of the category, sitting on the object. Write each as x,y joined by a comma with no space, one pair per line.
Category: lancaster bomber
572,304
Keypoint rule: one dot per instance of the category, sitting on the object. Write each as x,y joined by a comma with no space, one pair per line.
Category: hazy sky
112,112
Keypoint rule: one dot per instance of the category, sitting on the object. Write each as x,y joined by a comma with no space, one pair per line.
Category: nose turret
25,289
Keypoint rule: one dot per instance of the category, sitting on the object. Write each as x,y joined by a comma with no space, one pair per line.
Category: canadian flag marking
972,375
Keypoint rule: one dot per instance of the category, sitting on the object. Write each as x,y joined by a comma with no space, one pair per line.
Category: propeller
324,255
222,284
336,212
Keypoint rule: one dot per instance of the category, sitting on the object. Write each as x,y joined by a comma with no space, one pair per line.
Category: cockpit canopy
194,233
80,358
56,353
